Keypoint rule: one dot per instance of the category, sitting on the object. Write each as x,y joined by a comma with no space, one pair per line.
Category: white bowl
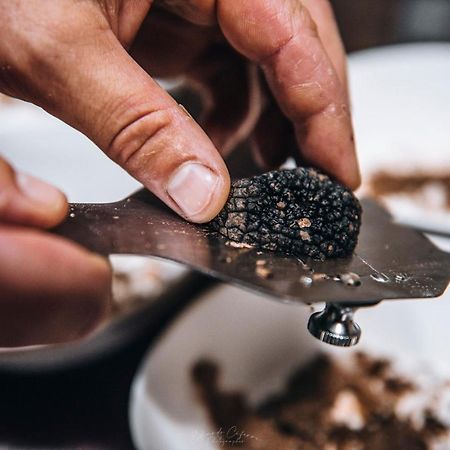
257,343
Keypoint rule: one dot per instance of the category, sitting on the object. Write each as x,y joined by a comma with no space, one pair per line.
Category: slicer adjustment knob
335,325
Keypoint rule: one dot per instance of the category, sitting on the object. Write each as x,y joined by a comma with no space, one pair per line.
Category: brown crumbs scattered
319,276
263,272
324,406
398,385
238,244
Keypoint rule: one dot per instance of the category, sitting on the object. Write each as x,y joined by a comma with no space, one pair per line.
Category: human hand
70,58
51,290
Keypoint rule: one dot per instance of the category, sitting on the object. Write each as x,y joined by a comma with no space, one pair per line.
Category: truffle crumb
398,385
347,410
263,272
320,276
304,223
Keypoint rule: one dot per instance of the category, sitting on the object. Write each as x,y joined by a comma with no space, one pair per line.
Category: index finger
281,36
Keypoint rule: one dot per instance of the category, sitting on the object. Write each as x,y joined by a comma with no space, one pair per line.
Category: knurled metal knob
335,325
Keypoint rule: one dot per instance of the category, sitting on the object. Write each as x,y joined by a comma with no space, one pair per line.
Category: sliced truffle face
301,212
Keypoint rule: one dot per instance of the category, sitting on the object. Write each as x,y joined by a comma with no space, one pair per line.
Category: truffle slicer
390,261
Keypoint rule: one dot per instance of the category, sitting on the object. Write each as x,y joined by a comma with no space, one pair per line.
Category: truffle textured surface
300,211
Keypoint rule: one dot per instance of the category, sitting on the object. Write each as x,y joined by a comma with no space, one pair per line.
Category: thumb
92,83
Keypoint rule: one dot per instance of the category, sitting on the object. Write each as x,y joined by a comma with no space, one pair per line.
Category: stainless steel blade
392,261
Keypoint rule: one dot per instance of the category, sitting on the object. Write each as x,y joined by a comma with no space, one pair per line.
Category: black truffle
301,212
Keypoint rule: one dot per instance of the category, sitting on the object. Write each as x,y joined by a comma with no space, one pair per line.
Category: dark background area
370,23
83,408
87,407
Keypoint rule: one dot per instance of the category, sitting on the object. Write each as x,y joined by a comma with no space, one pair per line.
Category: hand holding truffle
88,63
71,58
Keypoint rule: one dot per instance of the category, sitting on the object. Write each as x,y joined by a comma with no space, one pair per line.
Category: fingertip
355,178
27,200
349,178
341,161
347,167
218,201
46,202
198,191
327,141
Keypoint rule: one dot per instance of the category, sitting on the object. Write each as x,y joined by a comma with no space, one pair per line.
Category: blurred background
372,23
85,404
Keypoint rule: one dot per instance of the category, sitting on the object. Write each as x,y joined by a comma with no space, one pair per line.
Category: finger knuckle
289,26
142,138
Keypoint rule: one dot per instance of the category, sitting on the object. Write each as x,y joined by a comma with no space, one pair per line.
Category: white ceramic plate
401,99
401,105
